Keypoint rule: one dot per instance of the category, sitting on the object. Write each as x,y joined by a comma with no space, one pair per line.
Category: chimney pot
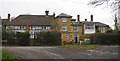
47,12
78,17
85,19
8,17
91,17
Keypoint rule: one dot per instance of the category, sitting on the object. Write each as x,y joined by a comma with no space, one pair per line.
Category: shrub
5,35
13,38
87,42
23,38
49,38
105,38
9,36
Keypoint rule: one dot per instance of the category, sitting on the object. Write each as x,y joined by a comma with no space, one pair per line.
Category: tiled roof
87,22
64,15
100,24
32,20
5,21
96,23
76,23
73,19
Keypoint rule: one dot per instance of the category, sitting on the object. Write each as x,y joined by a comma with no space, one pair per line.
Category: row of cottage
71,29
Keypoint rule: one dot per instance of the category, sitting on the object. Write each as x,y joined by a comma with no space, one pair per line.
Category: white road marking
92,50
51,53
114,53
89,54
111,52
54,54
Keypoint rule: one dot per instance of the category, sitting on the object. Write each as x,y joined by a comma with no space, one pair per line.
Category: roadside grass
7,55
83,47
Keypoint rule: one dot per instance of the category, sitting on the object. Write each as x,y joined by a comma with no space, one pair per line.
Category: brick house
74,30
29,23
71,29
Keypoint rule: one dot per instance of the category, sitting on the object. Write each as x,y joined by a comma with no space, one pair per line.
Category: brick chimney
8,17
91,17
78,17
85,19
47,12
54,15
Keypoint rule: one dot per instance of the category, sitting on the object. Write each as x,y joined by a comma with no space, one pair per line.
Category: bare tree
116,24
113,4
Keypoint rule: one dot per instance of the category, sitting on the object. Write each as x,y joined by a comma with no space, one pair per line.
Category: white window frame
66,37
48,27
89,27
18,27
7,27
40,27
30,27
102,29
31,36
37,27
75,28
64,28
64,20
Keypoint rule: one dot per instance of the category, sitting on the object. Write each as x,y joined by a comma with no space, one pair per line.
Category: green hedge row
106,38
13,38
48,38
23,38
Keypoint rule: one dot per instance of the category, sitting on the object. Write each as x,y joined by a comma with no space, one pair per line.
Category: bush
5,35
15,39
49,38
9,36
105,38
23,38
88,42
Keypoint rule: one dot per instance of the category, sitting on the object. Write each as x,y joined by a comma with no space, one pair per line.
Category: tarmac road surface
54,52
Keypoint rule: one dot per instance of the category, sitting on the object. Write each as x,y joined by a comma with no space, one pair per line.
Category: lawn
7,55
83,47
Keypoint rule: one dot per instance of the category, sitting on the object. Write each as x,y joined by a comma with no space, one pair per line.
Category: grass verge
8,55
83,47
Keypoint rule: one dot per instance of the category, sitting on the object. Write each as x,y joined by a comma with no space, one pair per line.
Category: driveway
106,52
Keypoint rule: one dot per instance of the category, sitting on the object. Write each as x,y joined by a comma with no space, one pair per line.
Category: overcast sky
71,7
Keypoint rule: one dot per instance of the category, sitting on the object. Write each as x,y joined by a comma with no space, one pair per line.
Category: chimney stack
78,17
85,19
47,12
91,17
54,15
8,17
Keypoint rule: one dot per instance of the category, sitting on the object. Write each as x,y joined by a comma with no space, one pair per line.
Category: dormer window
64,20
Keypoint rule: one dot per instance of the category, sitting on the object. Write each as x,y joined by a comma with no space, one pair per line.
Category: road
106,52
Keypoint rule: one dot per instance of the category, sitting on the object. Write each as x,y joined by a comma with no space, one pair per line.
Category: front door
75,38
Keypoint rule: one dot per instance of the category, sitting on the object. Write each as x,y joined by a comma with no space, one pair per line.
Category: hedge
13,38
106,38
48,38
23,38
